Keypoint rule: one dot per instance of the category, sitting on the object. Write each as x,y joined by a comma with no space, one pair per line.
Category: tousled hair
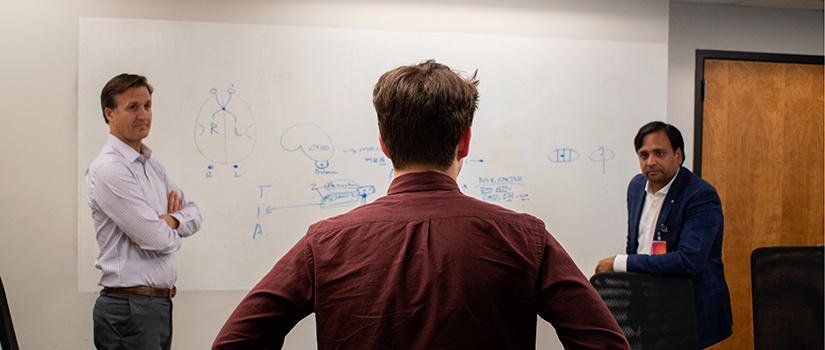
423,111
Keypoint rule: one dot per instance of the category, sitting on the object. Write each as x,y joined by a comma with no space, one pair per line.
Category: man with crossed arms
140,216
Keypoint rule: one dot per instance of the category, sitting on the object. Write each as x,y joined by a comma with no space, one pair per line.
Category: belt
144,290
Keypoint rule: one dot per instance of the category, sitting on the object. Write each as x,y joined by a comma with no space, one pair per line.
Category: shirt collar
423,181
127,151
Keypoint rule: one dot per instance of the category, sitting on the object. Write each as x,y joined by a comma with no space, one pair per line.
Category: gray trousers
126,321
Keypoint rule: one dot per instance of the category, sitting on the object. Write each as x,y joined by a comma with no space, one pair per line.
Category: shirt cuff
620,263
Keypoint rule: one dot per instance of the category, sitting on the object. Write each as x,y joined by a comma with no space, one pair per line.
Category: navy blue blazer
691,222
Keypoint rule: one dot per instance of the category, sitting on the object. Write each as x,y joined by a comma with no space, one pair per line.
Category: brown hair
117,86
422,112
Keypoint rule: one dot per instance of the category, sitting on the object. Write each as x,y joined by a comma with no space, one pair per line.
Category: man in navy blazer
675,227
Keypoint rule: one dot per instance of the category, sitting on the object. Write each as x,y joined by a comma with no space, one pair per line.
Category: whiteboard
271,128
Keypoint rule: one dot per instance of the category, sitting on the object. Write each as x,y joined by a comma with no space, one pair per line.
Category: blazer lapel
637,201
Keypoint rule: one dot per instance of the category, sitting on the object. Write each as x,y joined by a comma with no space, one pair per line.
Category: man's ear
463,148
383,148
107,112
681,156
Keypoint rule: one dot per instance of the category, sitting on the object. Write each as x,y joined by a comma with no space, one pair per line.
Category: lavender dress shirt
127,192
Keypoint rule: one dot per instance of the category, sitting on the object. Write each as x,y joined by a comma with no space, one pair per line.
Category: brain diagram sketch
225,131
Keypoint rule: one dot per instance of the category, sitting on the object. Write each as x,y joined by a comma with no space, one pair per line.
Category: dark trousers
125,321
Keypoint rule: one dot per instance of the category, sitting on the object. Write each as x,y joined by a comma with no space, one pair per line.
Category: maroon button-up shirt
424,267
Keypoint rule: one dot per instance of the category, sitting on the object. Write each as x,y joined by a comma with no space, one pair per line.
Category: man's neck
411,170
135,146
452,171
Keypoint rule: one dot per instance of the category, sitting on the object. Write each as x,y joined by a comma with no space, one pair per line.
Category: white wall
38,68
731,28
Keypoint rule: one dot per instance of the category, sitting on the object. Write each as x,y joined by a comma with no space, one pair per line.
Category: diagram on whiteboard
566,155
341,193
310,139
225,131
602,155
563,155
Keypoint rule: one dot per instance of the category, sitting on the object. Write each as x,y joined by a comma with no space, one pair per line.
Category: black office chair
787,287
8,341
654,312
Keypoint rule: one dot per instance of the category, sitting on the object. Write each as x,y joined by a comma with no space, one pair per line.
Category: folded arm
121,198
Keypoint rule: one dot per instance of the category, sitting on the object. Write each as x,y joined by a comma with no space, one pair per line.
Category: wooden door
762,148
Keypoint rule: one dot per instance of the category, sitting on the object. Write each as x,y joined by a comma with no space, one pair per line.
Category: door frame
701,90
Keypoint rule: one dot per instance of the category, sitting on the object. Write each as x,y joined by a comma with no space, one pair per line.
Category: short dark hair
423,111
671,131
117,86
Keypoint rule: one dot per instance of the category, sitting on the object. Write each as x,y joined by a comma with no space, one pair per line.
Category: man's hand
605,265
174,203
170,220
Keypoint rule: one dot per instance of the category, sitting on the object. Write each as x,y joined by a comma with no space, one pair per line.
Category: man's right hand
605,265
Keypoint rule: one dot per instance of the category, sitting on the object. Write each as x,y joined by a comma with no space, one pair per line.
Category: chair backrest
654,312
788,307
8,341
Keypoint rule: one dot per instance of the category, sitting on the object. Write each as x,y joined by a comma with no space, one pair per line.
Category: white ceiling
784,4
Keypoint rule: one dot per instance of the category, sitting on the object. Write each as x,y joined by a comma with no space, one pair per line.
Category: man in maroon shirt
424,267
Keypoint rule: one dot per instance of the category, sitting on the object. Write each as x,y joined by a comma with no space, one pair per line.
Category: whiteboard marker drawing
502,188
341,193
563,155
602,155
313,141
222,134
333,194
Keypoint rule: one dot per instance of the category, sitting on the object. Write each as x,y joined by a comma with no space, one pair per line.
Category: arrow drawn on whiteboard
335,194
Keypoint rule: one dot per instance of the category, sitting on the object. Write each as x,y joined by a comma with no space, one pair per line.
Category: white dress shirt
647,224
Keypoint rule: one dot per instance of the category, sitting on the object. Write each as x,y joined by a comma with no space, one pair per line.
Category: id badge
659,247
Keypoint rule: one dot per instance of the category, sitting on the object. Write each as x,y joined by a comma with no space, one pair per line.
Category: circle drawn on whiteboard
313,141
563,155
225,131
